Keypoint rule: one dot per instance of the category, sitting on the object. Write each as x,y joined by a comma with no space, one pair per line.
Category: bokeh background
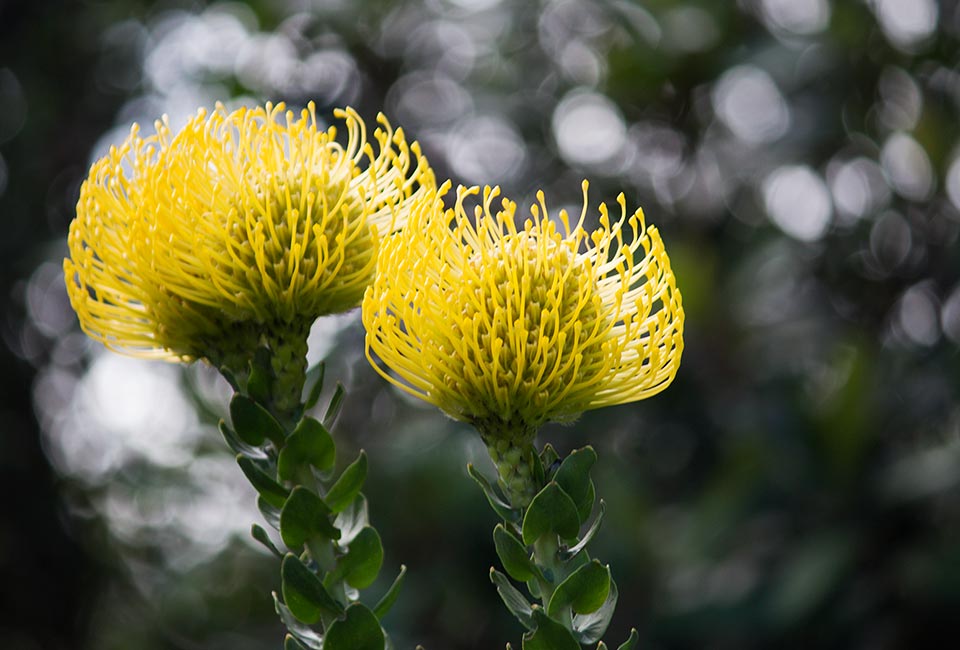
797,486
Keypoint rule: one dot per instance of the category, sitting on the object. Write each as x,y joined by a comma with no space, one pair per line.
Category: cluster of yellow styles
246,225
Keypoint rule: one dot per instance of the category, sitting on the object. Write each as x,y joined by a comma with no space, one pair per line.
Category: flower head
509,328
242,222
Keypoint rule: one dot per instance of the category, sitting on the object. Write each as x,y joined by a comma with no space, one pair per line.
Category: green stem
289,363
282,399
545,556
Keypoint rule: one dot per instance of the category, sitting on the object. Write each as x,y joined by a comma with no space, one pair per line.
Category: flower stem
298,464
539,542
516,462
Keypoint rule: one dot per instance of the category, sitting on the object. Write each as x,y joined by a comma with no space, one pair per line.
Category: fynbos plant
508,328
225,241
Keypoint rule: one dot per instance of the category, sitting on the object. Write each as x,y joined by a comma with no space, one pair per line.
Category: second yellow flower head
508,328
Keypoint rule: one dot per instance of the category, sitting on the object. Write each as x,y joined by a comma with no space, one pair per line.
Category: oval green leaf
513,555
253,423
309,444
305,516
304,593
590,628
513,599
499,505
259,534
361,565
315,375
585,590
306,635
574,477
551,512
359,630
271,491
348,485
549,635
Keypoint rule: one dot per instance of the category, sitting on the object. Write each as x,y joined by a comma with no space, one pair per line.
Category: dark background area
797,486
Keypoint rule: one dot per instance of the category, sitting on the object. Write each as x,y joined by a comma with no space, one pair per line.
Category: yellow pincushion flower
196,243
509,328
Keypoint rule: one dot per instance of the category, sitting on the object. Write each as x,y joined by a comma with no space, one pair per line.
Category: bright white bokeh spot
188,47
122,410
918,316
142,405
858,188
801,17
902,100
748,102
581,64
474,5
485,147
953,182
47,303
429,99
589,128
906,22
950,315
797,201
907,166
891,240
657,151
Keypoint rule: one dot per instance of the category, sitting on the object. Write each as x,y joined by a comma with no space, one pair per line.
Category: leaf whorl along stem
544,502
331,549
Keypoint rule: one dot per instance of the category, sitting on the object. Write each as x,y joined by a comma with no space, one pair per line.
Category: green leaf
260,381
361,565
630,643
538,474
534,588
390,597
548,457
305,516
290,643
352,519
585,590
589,628
359,630
304,593
513,599
582,544
548,635
551,511
230,377
317,387
499,505
271,491
601,646
259,534
574,477
333,409
309,444
513,555
270,513
303,633
253,423
348,485
237,445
